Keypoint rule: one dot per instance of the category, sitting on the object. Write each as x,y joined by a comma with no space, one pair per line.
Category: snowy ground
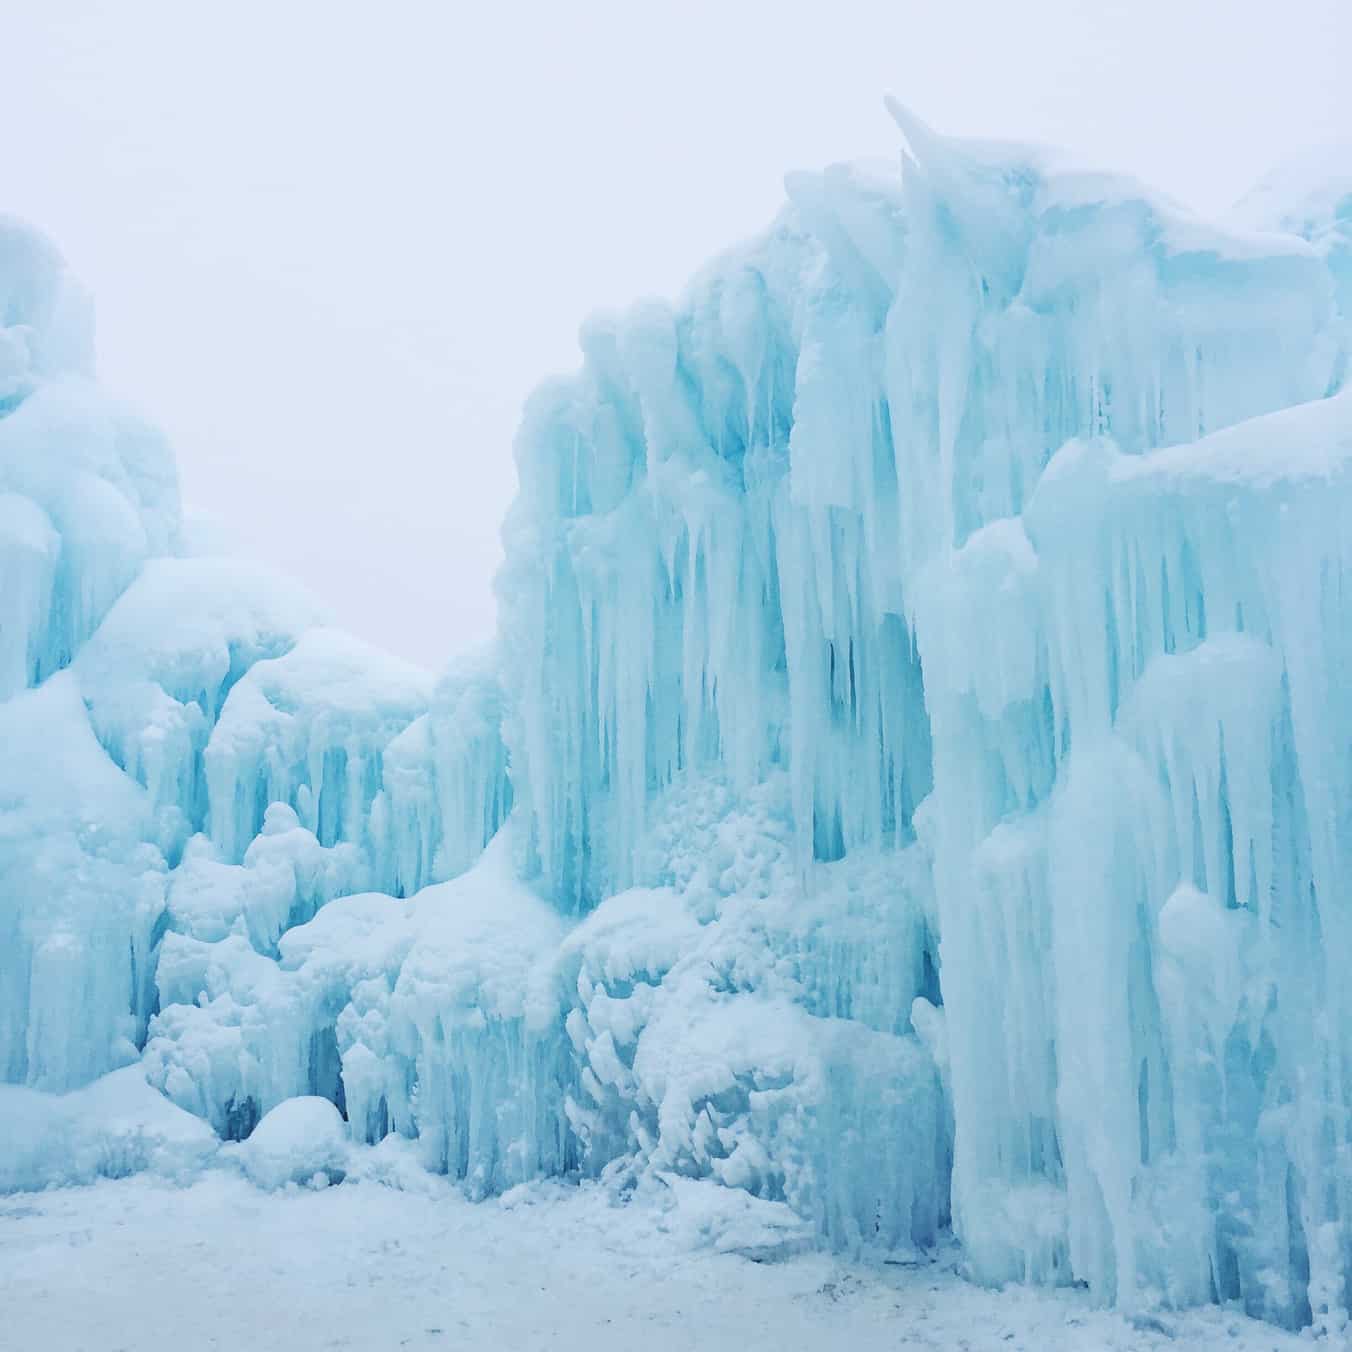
141,1264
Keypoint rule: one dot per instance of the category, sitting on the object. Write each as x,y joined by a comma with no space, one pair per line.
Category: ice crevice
909,787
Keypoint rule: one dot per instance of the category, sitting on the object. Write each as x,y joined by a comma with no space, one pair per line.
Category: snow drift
914,754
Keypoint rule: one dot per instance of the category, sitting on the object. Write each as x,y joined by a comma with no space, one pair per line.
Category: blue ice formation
910,788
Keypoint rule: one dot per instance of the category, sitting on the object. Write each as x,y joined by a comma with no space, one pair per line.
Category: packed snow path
135,1265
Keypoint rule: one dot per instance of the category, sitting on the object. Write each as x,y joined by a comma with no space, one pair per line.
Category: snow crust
908,790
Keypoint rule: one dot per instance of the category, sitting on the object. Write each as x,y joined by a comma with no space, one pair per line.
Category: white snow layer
543,1269
914,755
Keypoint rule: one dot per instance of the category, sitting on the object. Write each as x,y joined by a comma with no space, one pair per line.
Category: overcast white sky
334,245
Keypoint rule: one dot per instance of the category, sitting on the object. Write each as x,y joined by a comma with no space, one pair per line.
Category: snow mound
300,1141
115,1126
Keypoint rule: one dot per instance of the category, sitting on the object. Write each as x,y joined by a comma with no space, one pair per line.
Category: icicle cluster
887,505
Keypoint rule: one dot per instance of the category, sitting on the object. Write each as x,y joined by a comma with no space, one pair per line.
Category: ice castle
910,788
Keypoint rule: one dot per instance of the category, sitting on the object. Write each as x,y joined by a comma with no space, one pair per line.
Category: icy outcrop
309,729
81,895
728,1027
445,788
118,658
999,503
75,523
157,672
720,547
285,877
731,1024
427,1016
909,787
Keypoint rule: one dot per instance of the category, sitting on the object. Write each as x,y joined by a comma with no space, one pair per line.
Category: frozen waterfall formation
912,784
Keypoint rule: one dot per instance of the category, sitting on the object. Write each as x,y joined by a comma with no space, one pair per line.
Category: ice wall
719,549
135,682
998,505
87,493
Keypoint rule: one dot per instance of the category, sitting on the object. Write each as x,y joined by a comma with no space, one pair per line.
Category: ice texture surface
909,788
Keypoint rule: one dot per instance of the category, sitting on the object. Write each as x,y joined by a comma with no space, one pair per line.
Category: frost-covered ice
908,791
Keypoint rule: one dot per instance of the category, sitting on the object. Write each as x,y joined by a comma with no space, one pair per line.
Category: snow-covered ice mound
302,1140
114,1127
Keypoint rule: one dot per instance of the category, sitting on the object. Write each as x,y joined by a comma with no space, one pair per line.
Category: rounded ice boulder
302,1140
